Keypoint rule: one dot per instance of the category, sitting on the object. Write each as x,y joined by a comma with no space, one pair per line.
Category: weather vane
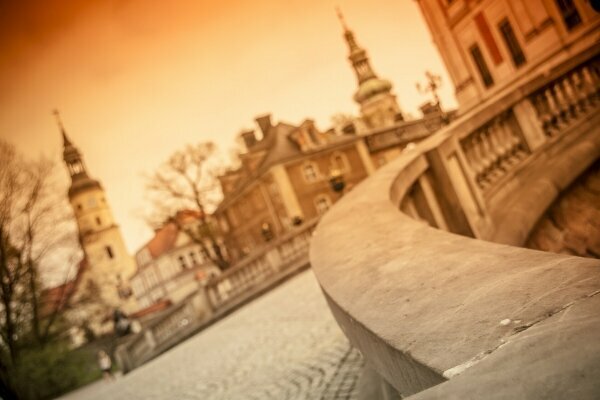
432,86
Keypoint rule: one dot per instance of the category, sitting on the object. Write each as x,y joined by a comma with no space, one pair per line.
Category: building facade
285,178
107,263
171,265
489,45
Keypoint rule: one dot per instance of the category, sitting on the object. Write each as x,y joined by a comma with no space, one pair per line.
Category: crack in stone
456,370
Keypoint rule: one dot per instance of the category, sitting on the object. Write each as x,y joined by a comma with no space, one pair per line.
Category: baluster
497,145
518,150
480,151
569,91
501,144
471,155
590,82
580,92
563,104
542,110
488,154
554,109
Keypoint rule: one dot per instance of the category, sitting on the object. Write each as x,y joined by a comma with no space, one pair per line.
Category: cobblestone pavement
284,345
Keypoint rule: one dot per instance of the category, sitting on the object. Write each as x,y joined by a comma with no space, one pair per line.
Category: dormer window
310,172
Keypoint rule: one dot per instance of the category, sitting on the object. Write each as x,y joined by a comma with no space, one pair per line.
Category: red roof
165,237
154,308
57,297
163,240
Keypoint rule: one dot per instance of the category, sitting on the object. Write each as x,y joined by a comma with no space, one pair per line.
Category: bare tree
33,226
187,181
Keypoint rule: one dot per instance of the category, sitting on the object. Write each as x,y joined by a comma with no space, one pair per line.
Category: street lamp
266,231
336,181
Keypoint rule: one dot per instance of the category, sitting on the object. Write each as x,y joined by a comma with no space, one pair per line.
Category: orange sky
135,80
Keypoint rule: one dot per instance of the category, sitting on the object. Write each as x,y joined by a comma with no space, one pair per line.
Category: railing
259,268
234,287
453,316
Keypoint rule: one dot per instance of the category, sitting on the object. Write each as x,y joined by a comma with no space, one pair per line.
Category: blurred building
285,178
378,106
487,46
171,265
102,279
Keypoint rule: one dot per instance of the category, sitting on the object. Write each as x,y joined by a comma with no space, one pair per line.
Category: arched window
339,162
310,171
322,203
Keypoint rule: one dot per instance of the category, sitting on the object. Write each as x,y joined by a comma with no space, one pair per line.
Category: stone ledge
402,291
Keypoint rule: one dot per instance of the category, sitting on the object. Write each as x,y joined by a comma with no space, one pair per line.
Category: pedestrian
105,364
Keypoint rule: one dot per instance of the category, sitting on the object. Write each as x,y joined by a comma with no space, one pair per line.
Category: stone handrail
441,315
258,268
240,283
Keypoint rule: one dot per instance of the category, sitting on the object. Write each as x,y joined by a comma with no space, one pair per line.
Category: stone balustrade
409,267
239,284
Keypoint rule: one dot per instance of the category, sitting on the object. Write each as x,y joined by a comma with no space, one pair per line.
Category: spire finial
338,10
61,127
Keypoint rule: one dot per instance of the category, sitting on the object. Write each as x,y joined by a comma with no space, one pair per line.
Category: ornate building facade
285,178
107,265
489,45
170,266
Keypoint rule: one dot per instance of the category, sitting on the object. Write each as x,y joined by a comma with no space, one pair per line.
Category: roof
166,236
279,147
56,297
151,309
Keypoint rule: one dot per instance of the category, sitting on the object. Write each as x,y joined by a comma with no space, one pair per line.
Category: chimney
249,139
264,122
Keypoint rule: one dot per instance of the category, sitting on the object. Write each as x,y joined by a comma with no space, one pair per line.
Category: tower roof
368,83
80,181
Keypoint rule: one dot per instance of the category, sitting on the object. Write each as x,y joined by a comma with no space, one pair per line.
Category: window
340,162
569,13
322,204
512,43
193,258
109,252
98,221
79,207
310,172
182,262
482,67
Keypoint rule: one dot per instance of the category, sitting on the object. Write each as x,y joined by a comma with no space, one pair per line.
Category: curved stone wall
439,314
572,224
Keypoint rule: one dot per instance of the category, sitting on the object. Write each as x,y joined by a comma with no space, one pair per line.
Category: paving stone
284,345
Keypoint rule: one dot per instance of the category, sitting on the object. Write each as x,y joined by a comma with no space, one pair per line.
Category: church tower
108,264
378,106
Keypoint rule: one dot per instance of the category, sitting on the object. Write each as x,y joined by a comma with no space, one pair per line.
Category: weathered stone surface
424,305
284,345
557,358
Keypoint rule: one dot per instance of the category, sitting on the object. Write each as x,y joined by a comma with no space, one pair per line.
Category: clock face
92,202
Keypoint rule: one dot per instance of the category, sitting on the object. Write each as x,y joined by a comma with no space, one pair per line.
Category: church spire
66,141
358,56
378,105
74,161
